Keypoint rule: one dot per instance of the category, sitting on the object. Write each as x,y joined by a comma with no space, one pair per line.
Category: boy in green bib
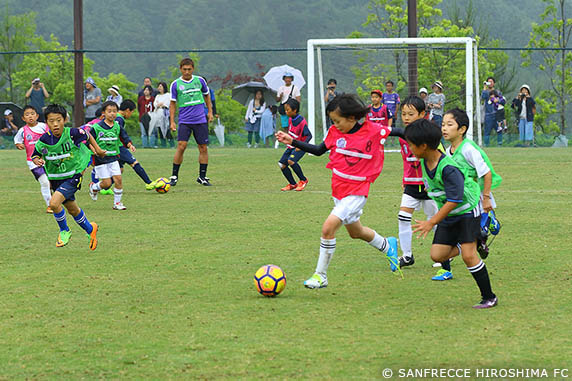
65,156
471,158
457,196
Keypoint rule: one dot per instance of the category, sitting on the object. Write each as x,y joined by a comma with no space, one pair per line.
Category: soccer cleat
482,248
152,185
443,275
106,192
92,193
93,236
288,187
404,261
63,238
487,303
49,210
173,180
204,181
301,185
119,206
316,281
392,254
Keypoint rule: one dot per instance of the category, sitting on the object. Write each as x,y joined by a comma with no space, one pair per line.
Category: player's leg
440,253
56,203
104,176
80,218
283,164
40,175
404,217
201,133
327,248
293,162
118,185
183,134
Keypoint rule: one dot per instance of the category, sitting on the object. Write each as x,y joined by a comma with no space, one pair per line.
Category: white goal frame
472,99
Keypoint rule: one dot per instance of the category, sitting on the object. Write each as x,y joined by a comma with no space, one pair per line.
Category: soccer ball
162,185
270,280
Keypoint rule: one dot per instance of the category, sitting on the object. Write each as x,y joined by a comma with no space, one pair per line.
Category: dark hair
150,88
348,105
164,86
107,104
390,81
494,93
55,109
98,113
415,101
332,80
26,107
262,99
294,104
187,61
127,104
274,109
461,117
492,79
423,131
149,78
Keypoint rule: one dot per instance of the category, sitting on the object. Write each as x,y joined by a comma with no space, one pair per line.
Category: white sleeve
19,137
296,92
249,109
474,158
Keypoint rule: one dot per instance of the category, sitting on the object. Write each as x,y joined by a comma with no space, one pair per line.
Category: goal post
472,103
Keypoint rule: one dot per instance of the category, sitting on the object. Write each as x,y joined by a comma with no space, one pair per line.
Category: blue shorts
291,154
199,130
67,187
125,156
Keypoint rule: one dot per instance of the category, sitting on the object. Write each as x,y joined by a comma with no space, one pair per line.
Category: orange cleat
288,187
301,185
93,236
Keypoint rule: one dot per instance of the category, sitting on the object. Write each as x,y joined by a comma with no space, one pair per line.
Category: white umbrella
274,77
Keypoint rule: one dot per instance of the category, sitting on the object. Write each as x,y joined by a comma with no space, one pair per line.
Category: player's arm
424,227
37,158
397,131
19,139
172,111
125,139
488,179
92,144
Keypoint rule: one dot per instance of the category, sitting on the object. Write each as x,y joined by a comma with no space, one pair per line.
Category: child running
457,196
64,154
298,129
378,112
26,139
107,134
356,160
471,158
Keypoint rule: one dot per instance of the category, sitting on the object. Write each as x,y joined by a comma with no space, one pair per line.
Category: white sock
45,188
95,187
327,248
379,242
117,193
405,232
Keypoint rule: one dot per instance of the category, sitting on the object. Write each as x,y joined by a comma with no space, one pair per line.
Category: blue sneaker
392,254
443,275
494,226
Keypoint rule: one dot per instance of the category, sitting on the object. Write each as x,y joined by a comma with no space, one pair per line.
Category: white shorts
108,170
31,164
429,206
349,209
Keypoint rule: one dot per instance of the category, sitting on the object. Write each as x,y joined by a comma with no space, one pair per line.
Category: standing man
147,82
331,93
92,99
492,98
190,92
391,100
37,95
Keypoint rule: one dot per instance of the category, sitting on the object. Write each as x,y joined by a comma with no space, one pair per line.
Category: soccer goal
436,56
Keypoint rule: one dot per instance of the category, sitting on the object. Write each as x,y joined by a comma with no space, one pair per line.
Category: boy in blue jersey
391,100
190,92
457,197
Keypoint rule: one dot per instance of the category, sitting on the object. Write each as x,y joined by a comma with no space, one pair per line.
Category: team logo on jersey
101,134
29,137
181,87
341,143
44,151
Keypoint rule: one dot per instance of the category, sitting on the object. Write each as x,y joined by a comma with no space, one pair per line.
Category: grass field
169,293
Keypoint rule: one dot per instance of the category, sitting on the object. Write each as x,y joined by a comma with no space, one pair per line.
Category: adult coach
190,92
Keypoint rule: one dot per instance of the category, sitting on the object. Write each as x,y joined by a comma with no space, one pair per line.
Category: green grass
169,293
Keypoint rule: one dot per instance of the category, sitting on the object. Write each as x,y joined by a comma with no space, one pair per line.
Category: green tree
554,33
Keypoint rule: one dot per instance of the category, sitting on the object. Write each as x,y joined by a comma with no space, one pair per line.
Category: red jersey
297,131
144,106
380,116
356,160
412,172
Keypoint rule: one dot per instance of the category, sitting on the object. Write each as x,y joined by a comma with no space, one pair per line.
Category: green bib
64,159
107,139
470,170
436,187
189,93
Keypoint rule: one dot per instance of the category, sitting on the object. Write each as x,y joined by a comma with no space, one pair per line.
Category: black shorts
465,229
199,130
416,191
291,154
67,187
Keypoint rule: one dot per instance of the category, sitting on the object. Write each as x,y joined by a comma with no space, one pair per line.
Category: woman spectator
145,106
253,114
160,117
114,95
436,103
525,108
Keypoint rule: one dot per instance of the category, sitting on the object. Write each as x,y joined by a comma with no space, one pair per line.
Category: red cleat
288,187
301,185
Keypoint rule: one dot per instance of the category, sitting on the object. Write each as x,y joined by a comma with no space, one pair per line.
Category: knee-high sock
298,171
327,248
141,172
82,221
405,232
117,193
61,220
45,188
288,174
96,187
203,170
379,242
175,170
481,275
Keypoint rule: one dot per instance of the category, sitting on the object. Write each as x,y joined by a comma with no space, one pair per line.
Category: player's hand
210,117
423,227
132,148
173,127
20,146
100,152
39,162
487,204
283,137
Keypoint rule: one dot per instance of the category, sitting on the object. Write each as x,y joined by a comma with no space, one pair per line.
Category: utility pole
78,114
412,53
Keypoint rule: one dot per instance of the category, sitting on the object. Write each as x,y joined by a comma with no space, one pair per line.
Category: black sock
176,169
481,275
250,137
288,174
257,138
446,265
202,170
298,171
141,172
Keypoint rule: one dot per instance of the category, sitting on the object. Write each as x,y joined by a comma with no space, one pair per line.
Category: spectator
254,112
8,127
114,95
145,106
285,92
331,93
423,95
37,95
268,123
92,99
525,108
436,103
160,117
391,100
491,107
147,82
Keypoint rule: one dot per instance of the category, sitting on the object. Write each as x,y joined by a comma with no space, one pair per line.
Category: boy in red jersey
378,112
356,160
